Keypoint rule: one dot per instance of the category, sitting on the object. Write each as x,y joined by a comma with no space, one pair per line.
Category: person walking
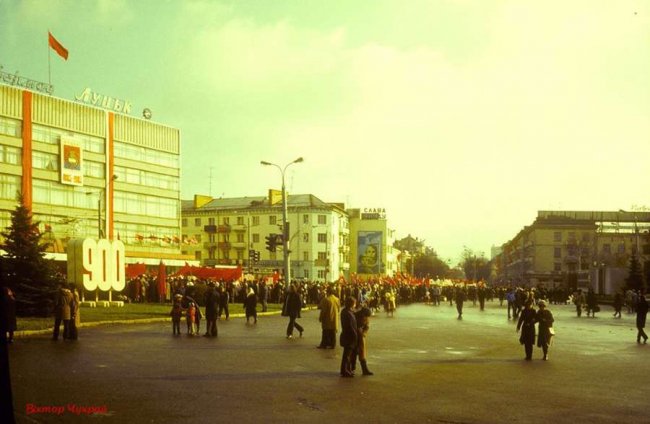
224,299
459,297
592,303
62,312
250,306
9,313
641,314
618,303
330,308
291,309
75,318
546,332
362,316
264,295
349,336
526,324
579,301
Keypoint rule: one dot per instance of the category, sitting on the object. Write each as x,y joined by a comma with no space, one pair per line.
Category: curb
28,333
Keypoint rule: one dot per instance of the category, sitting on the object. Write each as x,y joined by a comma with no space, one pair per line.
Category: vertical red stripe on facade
26,185
111,172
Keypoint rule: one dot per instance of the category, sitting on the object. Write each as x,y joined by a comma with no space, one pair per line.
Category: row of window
50,161
51,135
322,237
54,193
606,248
142,154
9,187
273,220
146,178
142,204
10,127
11,155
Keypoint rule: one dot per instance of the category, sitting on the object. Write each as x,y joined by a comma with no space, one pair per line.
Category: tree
29,274
635,277
475,267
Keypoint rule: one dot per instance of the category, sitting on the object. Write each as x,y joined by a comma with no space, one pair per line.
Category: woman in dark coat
211,306
526,323
349,337
291,309
641,313
545,319
250,305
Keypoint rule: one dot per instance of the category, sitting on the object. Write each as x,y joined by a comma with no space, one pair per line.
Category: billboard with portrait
71,162
370,252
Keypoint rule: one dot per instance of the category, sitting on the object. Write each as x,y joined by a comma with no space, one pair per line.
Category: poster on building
71,162
369,248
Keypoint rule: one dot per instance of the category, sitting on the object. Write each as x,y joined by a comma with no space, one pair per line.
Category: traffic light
271,242
257,256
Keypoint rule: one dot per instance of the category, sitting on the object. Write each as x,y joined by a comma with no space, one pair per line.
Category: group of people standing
66,311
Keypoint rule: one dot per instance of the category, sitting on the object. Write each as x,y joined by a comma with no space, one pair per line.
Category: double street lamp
285,224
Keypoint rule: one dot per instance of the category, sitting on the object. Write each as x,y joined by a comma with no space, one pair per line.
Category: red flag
62,51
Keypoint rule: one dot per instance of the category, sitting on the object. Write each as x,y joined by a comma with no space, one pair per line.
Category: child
176,314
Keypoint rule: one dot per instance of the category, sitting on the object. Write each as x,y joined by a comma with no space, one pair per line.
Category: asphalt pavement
429,368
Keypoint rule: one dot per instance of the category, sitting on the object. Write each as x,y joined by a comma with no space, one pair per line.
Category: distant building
371,243
576,249
90,172
224,231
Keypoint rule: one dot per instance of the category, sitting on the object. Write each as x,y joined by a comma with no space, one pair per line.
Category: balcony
239,245
224,245
321,262
240,228
212,229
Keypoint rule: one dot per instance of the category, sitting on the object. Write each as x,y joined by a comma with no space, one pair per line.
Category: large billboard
369,248
71,162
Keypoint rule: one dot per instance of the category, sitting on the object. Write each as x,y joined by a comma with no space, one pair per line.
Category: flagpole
49,60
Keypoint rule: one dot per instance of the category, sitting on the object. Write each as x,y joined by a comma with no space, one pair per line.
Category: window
607,248
621,248
10,155
272,220
240,238
256,238
557,236
240,254
197,222
557,252
240,220
322,256
226,220
198,238
322,238
305,219
557,267
11,127
305,237
142,154
184,222
197,255
322,274
322,219
42,160
305,256
211,221
305,273
572,235
9,186
256,220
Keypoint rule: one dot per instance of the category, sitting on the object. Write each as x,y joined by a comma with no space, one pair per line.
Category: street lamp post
285,226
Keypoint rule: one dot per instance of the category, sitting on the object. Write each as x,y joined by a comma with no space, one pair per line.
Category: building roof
258,202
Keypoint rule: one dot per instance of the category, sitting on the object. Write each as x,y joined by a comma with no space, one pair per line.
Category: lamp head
300,159
265,163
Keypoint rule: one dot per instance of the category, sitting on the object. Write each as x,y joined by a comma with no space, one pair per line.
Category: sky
461,118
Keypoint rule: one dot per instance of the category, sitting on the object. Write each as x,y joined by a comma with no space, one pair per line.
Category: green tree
29,274
635,276
476,267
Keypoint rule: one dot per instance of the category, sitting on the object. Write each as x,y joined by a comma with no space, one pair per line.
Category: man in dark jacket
211,306
349,337
291,309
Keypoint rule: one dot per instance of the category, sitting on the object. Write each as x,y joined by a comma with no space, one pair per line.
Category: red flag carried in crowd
54,43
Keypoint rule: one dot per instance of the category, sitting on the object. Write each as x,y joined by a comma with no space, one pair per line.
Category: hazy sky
461,118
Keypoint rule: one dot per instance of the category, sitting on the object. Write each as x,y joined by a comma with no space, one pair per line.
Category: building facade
576,249
371,243
90,172
225,231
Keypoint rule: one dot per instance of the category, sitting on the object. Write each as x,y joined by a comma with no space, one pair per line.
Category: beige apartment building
226,232
575,249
